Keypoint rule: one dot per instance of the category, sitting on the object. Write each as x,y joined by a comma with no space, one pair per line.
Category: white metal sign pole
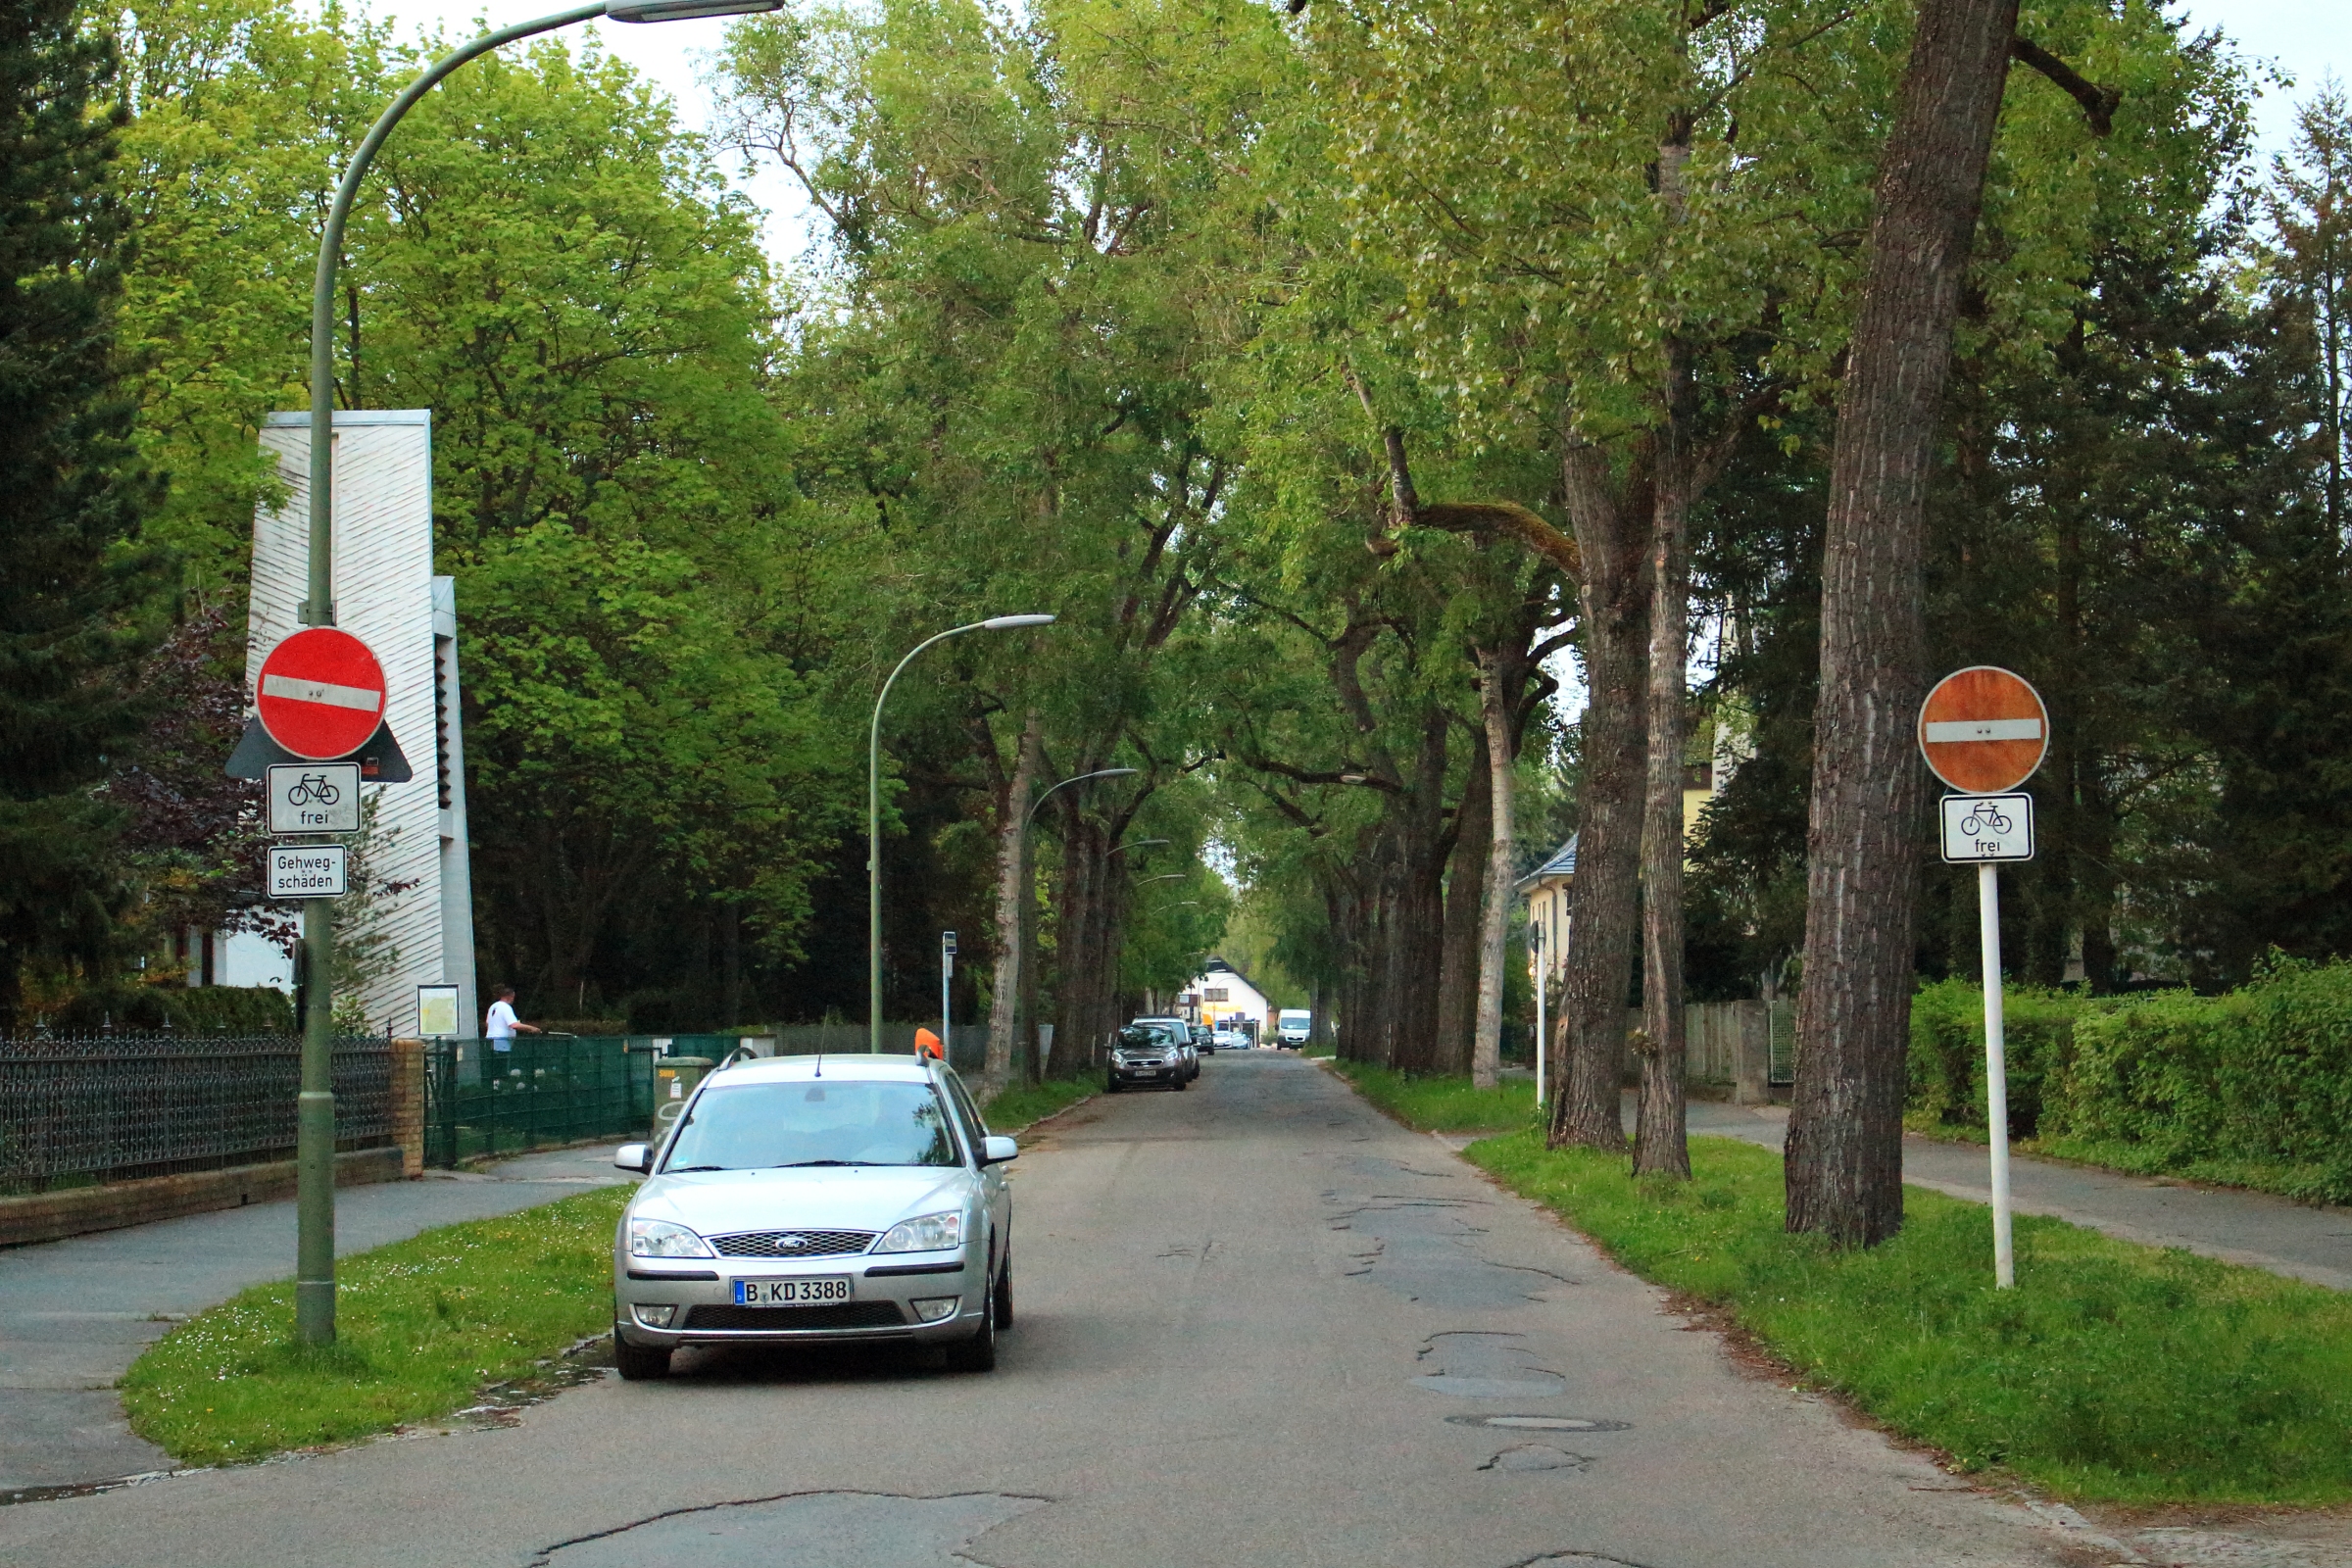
1997,1072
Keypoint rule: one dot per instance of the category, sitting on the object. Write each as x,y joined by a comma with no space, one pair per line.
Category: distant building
1546,890
1222,995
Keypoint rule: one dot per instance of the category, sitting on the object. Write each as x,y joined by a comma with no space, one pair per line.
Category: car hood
721,1202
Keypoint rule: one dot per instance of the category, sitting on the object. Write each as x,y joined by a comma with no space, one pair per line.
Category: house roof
1562,865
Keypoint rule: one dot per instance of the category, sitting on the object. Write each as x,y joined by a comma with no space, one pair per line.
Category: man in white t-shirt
499,1026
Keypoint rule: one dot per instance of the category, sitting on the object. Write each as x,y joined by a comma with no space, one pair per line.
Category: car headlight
662,1238
926,1233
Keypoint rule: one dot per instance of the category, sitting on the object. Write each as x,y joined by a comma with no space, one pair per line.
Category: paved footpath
1259,1324
75,1313
2237,1227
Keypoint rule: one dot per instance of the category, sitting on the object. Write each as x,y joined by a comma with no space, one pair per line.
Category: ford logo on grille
790,1244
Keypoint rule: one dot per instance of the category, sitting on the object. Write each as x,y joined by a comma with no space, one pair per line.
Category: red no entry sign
1984,730
321,694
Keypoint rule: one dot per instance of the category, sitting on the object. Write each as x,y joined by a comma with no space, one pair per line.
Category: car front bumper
701,1293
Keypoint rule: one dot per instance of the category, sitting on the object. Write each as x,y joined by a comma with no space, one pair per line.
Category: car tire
1111,1086
979,1352
1182,1084
1004,1296
637,1364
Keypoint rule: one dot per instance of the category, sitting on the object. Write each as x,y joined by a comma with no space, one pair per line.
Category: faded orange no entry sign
1984,730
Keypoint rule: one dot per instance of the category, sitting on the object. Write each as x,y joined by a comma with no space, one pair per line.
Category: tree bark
1845,1147
1495,698
1660,1142
1465,896
1006,1063
1601,896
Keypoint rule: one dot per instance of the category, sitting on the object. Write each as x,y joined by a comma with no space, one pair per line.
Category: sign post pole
1996,1071
947,972
1534,940
1983,732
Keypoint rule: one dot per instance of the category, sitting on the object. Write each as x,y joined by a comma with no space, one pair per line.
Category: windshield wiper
798,1165
675,1170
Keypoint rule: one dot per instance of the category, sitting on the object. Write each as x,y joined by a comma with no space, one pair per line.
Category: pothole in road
806,1530
1475,1364
1539,1423
1533,1459
1425,1248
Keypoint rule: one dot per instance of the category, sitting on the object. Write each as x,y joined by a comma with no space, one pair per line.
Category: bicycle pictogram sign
1987,827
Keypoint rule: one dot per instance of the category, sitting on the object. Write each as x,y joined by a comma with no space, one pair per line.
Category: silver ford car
818,1199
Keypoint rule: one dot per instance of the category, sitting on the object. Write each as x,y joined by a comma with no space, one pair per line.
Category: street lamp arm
1100,773
320,609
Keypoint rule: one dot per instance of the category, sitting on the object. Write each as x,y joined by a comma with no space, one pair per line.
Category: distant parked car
1141,1054
1179,1034
1232,1039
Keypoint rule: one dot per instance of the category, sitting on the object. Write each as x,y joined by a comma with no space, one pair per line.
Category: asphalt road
1257,1324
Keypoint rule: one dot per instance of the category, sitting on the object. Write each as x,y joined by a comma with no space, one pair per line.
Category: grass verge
2113,1372
1018,1106
421,1326
1443,1103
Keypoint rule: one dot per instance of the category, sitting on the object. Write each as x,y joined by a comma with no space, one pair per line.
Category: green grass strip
1435,1102
2114,1372
421,1326
1019,1105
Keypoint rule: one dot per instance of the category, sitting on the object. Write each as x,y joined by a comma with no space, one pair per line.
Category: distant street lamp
1132,844
315,1123
873,795
1100,773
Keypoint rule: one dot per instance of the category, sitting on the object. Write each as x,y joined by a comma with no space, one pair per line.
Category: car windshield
763,1126
1134,1038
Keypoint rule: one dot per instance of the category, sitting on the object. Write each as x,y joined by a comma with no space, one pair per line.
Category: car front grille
851,1315
812,1244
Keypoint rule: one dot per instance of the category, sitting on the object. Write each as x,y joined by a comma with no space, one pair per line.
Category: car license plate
793,1293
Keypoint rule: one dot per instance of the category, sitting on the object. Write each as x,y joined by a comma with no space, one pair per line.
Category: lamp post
315,1125
1131,844
873,814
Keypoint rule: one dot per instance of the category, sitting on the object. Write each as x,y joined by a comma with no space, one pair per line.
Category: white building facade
386,595
1223,994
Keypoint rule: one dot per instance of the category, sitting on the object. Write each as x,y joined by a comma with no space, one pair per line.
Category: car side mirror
996,1150
638,1158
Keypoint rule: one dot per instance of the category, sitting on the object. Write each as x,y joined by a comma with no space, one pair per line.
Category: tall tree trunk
1465,898
1844,1163
1601,895
1499,687
1005,1065
1077,960
1660,1143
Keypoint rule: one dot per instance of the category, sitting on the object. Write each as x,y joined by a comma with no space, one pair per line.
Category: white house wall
384,594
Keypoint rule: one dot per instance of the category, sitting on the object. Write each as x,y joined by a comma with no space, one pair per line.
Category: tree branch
1510,519
2099,103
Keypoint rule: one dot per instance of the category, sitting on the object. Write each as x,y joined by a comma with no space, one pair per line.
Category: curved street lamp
315,1123
873,806
1131,844
1100,773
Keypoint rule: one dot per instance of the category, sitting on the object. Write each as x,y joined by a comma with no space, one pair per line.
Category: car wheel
1182,1084
637,1364
979,1352
1004,1297
1111,1086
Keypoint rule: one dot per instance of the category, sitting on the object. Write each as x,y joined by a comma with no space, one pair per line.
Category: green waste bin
674,1078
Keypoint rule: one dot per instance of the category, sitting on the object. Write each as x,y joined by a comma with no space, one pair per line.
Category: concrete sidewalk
2237,1227
75,1313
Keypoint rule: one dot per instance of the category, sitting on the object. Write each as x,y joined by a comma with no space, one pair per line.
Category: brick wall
407,1104
49,1217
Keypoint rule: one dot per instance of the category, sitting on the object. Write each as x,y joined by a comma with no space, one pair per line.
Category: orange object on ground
926,1044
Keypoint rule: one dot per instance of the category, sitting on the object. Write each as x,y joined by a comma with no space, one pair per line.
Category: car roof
848,1068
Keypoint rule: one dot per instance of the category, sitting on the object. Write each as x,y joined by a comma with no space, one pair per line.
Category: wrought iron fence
79,1110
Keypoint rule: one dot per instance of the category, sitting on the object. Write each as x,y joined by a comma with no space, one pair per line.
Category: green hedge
2255,1085
1947,1054
187,1009
2253,1088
